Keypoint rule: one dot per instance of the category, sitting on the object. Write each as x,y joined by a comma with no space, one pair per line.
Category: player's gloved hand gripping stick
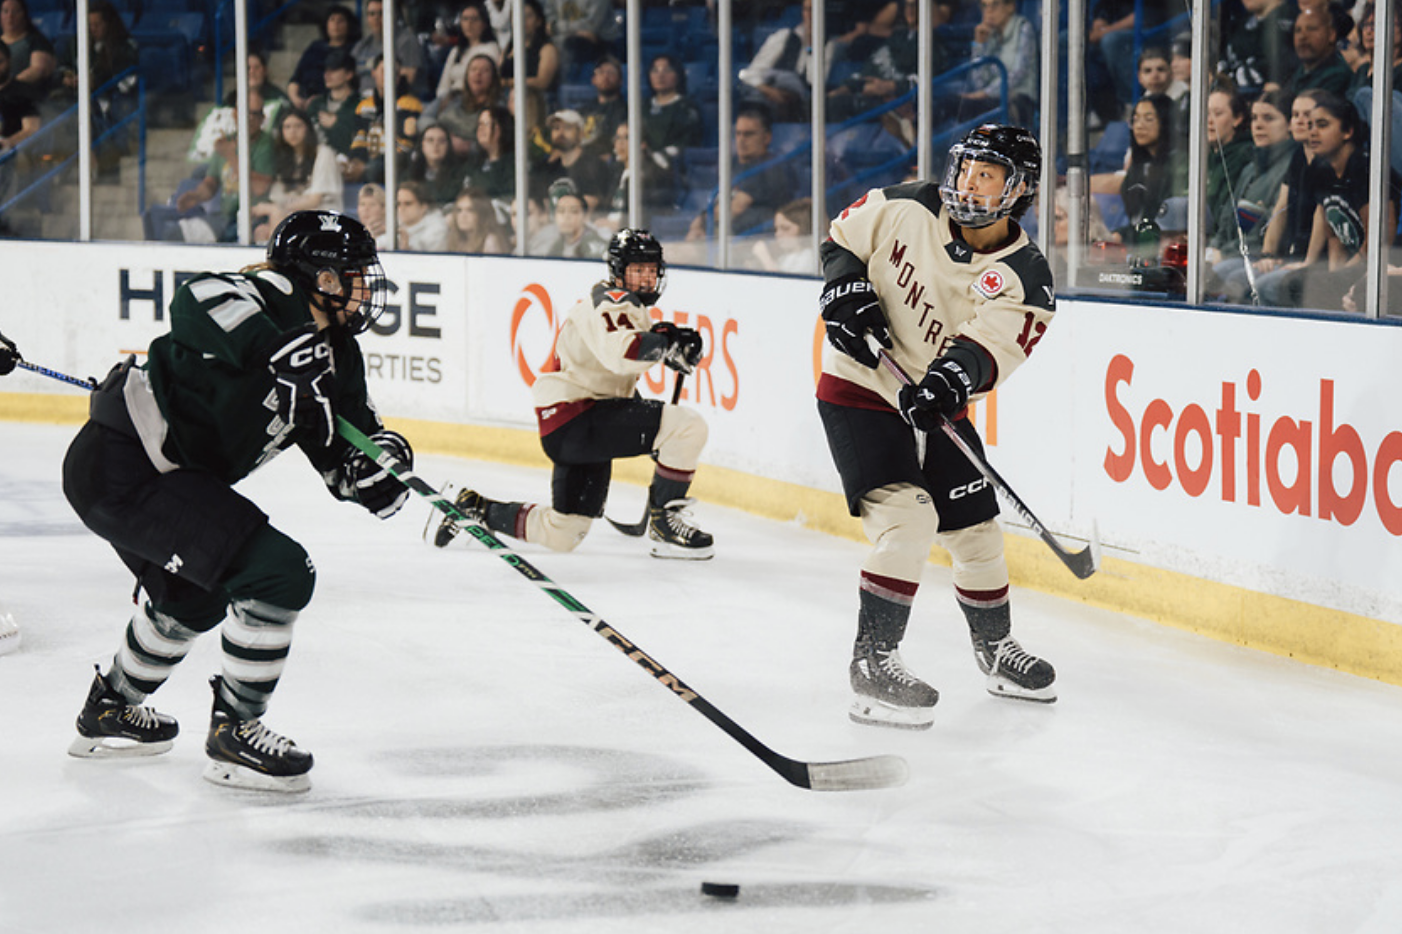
847,775
1083,563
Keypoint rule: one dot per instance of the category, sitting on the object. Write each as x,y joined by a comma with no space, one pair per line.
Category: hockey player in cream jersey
589,414
943,277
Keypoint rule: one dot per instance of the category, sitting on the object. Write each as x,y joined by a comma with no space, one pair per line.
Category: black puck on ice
720,889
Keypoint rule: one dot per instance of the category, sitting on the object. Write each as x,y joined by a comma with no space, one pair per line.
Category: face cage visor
364,294
970,210
648,298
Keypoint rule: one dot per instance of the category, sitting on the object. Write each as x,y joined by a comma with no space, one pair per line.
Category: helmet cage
969,210
635,245
310,245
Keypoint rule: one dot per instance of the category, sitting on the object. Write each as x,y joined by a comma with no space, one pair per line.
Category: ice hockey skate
1014,672
9,632
246,754
109,727
887,694
674,536
445,528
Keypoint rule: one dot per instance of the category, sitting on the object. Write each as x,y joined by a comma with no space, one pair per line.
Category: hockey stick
847,775
24,364
638,528
1082,563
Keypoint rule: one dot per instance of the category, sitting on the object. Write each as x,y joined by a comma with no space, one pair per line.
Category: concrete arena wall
1239,468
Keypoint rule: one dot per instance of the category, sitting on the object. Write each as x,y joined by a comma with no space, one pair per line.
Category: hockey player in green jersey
255,362
943,277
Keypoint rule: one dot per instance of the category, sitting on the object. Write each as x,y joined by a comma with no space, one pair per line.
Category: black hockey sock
880,622
664,490
989,614
502,517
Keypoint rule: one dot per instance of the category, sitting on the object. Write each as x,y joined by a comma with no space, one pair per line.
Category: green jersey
210,378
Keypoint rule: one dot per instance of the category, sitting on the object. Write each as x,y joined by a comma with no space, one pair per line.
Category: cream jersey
602,349
934,287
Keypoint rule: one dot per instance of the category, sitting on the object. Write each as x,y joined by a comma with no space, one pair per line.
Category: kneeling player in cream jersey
589,413
944,278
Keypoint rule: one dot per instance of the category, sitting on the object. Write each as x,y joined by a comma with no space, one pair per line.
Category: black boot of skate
470,503
1013,671
887,694
110,727
674,536
246,754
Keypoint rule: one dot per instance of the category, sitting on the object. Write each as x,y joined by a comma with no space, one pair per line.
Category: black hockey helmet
635,245
309,243
1011,147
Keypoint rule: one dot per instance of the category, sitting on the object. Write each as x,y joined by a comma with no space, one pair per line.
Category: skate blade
115,747
1001,687
678,553
237,776
440,529
9,642
869,712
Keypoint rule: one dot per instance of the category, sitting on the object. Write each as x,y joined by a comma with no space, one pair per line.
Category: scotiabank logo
1304,466
535,324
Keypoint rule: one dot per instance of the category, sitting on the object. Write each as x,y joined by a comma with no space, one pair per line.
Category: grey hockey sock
665,490
880,622
988,612
502,517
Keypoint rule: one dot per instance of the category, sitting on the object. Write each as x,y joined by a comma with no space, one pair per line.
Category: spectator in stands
33,66
458,113
1357,49
858,29
1005,34
658,188
257,78
305,175
367,157
473,226
1110,51
499,14
1336,194
1154,171
494,169
111,52
221,176
582,30
1316,47
333,111
542,69
791,250
887,73
608,109
778,74
477,38
1243,223
1261,52
370,210
1361,93
1229,149
340,30
1156,74
756,192
408,53
570,236
422,226
673,120
569,159
434,163
19,120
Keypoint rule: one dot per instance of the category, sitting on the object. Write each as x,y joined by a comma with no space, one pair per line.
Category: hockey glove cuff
302,372
375,487
851,311
944,391
9,356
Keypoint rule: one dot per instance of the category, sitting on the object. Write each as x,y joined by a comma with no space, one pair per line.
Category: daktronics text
1310,466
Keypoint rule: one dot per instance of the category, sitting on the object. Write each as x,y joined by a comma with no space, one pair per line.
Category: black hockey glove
852,311
944,391
683,346
373,486
301,365
9,356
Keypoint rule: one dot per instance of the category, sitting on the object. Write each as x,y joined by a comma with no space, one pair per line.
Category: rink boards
1242,470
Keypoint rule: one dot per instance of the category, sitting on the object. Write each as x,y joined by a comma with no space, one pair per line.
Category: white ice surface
486,763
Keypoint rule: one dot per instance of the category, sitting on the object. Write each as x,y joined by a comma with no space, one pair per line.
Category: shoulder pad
927,194
1033,271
